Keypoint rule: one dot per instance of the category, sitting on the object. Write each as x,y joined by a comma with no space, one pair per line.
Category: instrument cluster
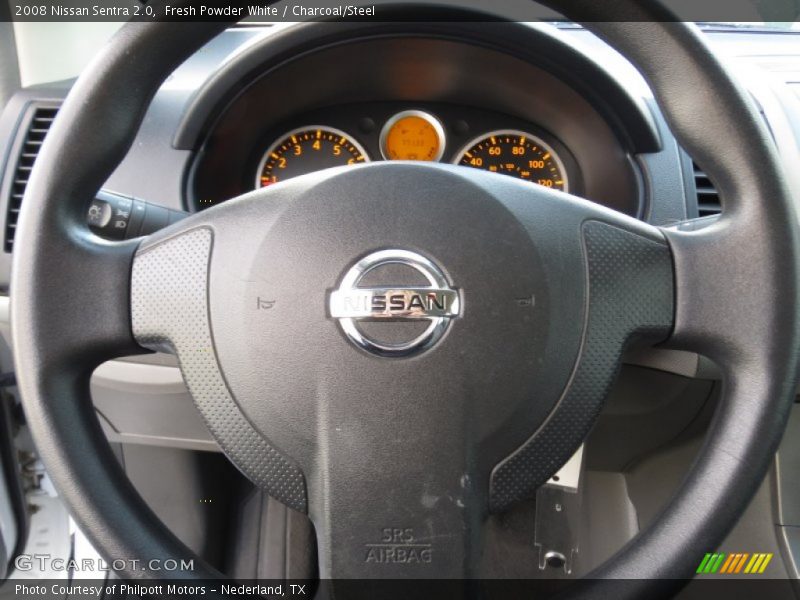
357,134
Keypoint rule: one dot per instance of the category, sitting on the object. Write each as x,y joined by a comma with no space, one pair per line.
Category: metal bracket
558,505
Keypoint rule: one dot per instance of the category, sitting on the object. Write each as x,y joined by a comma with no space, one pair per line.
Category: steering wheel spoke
629,301
170,312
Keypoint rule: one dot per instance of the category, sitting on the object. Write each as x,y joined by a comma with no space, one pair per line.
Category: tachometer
518,154
306,150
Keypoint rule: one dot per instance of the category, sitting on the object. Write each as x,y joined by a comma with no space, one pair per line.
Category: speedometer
516,153
306,150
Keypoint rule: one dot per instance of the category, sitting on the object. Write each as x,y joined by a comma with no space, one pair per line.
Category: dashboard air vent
38,126
707,196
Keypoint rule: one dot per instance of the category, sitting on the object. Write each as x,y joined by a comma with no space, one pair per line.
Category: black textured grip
630,295
169,305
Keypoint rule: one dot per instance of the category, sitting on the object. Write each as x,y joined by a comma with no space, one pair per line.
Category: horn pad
487,378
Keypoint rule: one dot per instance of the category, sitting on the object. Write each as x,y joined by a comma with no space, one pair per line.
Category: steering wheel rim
753,336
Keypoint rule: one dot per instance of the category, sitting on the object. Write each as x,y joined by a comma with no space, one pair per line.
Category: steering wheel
400,350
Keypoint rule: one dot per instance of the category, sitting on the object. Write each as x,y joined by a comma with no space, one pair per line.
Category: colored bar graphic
751,564
702,567
718,562
711,563
757,565
741,562
733,563
729,562
765,563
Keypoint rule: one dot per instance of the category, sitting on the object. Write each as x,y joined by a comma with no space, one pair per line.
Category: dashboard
367,132
482,96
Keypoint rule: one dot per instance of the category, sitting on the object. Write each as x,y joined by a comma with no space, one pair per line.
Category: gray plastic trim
150,405
9,64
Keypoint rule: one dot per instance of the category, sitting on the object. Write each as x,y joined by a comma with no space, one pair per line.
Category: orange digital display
413,136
